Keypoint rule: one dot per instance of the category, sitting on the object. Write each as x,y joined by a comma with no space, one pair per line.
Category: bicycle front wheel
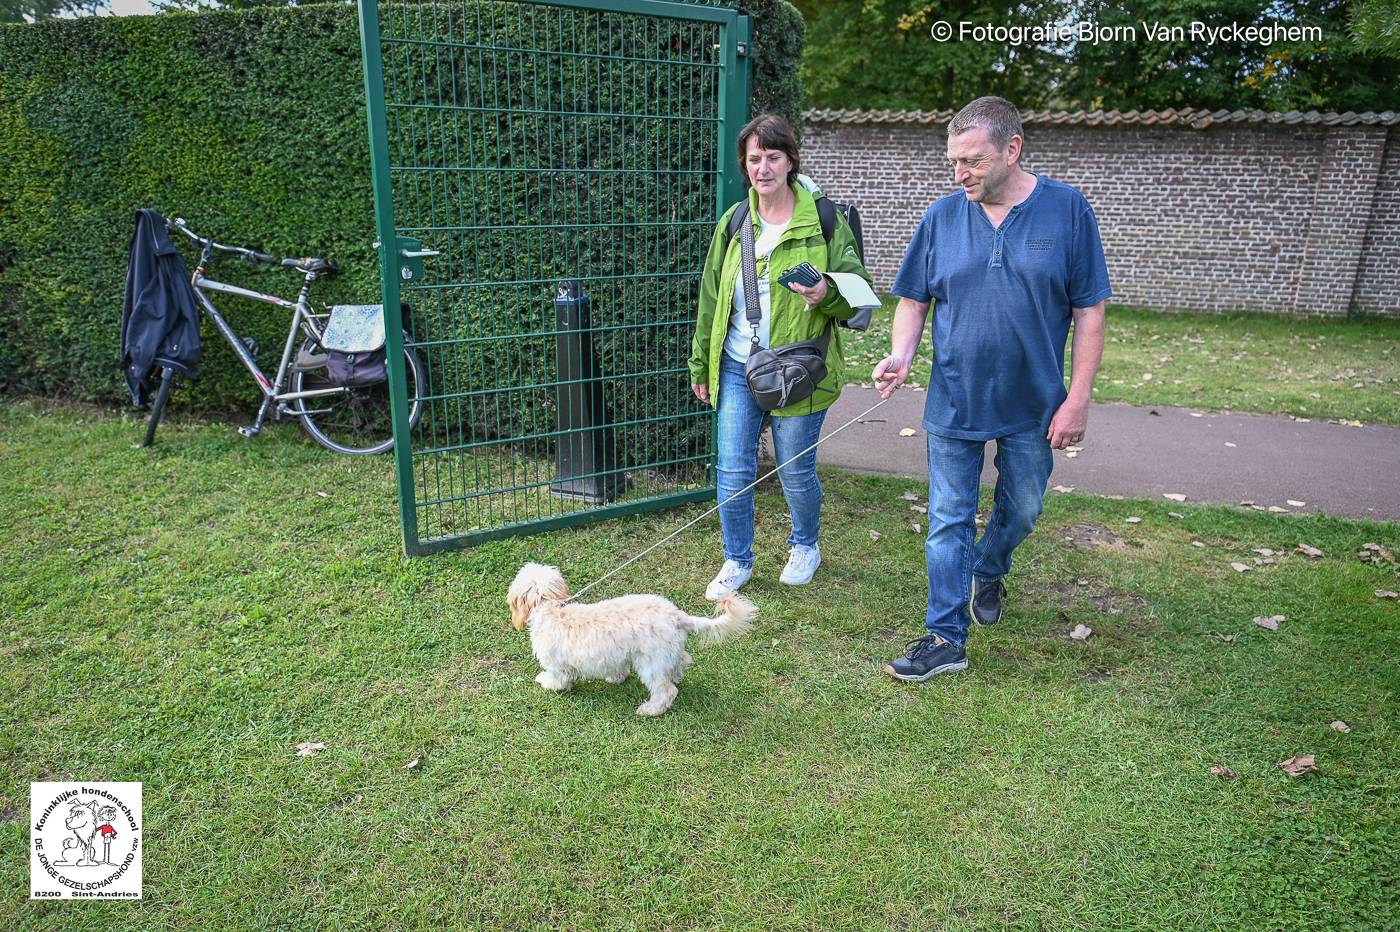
353,420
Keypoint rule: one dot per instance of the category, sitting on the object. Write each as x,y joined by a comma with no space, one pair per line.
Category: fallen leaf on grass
1263,561
1197,543
1270,621
918,528
1220,770
910,496
1081,632
919,508
1227,638
1295,503
1298,765
1311,553
1387,594
1133,520
1277,510
1264,551
907,432
308,748
1374,553
1240,567
874,535
413,763
323,494
1064,488
1341,726
1174,496
1175,514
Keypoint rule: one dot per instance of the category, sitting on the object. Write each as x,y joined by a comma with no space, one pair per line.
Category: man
1006,262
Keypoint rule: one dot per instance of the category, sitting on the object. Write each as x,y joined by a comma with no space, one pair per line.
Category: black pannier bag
354,343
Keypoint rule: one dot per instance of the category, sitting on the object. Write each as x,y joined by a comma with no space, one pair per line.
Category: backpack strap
826,214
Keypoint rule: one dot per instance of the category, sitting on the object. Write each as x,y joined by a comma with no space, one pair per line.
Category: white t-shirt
740,335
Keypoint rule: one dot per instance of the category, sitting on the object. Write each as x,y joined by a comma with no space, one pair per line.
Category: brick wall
1283,218
1376,287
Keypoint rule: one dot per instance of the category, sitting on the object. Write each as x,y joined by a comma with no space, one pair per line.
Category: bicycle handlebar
252,255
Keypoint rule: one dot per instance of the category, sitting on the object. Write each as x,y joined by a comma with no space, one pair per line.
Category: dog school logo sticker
85,841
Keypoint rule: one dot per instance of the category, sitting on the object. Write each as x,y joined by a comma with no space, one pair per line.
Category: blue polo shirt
1001,300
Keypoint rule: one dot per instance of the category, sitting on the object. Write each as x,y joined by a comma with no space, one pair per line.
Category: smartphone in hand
804,274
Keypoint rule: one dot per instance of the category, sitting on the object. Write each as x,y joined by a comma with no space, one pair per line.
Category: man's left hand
1068,424
814,295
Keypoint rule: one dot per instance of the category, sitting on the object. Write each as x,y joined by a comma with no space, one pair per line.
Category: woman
787,232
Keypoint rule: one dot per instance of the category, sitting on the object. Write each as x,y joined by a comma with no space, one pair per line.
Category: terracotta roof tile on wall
1197,119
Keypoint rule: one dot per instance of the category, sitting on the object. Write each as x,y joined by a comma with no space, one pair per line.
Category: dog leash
731,498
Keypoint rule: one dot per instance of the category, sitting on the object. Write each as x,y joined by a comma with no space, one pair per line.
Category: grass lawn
179,617
1311,368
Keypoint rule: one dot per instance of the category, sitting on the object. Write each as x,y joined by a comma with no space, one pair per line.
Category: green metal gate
547,176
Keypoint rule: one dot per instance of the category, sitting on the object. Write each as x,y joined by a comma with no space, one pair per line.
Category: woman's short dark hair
772,132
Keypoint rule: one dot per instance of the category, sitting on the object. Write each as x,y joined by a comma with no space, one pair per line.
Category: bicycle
353,420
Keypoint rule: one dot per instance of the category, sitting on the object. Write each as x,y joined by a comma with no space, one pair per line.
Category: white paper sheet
854,289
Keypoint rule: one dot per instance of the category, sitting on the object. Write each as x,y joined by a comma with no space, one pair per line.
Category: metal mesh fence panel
566,163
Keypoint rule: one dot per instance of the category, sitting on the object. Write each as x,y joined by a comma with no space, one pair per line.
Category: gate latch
411,256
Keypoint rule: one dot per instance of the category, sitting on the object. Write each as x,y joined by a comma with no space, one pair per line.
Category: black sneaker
986,600
927,656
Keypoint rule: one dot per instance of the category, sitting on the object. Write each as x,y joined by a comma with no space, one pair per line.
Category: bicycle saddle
310,264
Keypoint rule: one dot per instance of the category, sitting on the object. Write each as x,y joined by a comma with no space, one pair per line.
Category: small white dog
601,640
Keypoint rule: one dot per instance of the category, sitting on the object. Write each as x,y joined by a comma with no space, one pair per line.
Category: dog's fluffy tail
735,618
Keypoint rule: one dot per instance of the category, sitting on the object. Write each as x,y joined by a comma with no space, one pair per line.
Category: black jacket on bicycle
160,321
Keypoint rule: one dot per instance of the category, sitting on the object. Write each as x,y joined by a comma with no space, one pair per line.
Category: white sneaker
731,577
801,565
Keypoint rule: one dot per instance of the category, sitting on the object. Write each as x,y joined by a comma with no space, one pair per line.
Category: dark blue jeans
740,422
951,550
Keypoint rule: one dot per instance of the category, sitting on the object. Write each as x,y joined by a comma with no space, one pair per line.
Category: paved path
1145,452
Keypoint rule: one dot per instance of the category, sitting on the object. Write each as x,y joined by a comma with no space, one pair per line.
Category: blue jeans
740,422
1023,463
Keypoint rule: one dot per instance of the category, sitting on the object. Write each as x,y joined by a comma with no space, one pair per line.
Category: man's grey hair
997,114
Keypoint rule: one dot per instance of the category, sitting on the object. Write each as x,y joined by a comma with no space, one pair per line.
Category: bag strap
749,273
752,309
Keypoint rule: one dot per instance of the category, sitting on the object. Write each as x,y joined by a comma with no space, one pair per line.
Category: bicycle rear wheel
167,382
355,420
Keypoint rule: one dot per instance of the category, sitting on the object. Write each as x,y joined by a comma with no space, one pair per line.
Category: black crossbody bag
779,375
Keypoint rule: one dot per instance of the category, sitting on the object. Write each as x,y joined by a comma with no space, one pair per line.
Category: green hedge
248,124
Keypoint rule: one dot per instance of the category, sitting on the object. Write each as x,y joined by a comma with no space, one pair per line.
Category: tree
1376,27
880,54
198,6
30,11
1183,67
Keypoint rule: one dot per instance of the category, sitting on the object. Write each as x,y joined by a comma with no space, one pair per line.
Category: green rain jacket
792,320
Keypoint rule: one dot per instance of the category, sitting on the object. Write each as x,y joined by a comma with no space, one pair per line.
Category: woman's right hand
702,391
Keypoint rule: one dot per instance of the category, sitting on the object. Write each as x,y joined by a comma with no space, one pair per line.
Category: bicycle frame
302,319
